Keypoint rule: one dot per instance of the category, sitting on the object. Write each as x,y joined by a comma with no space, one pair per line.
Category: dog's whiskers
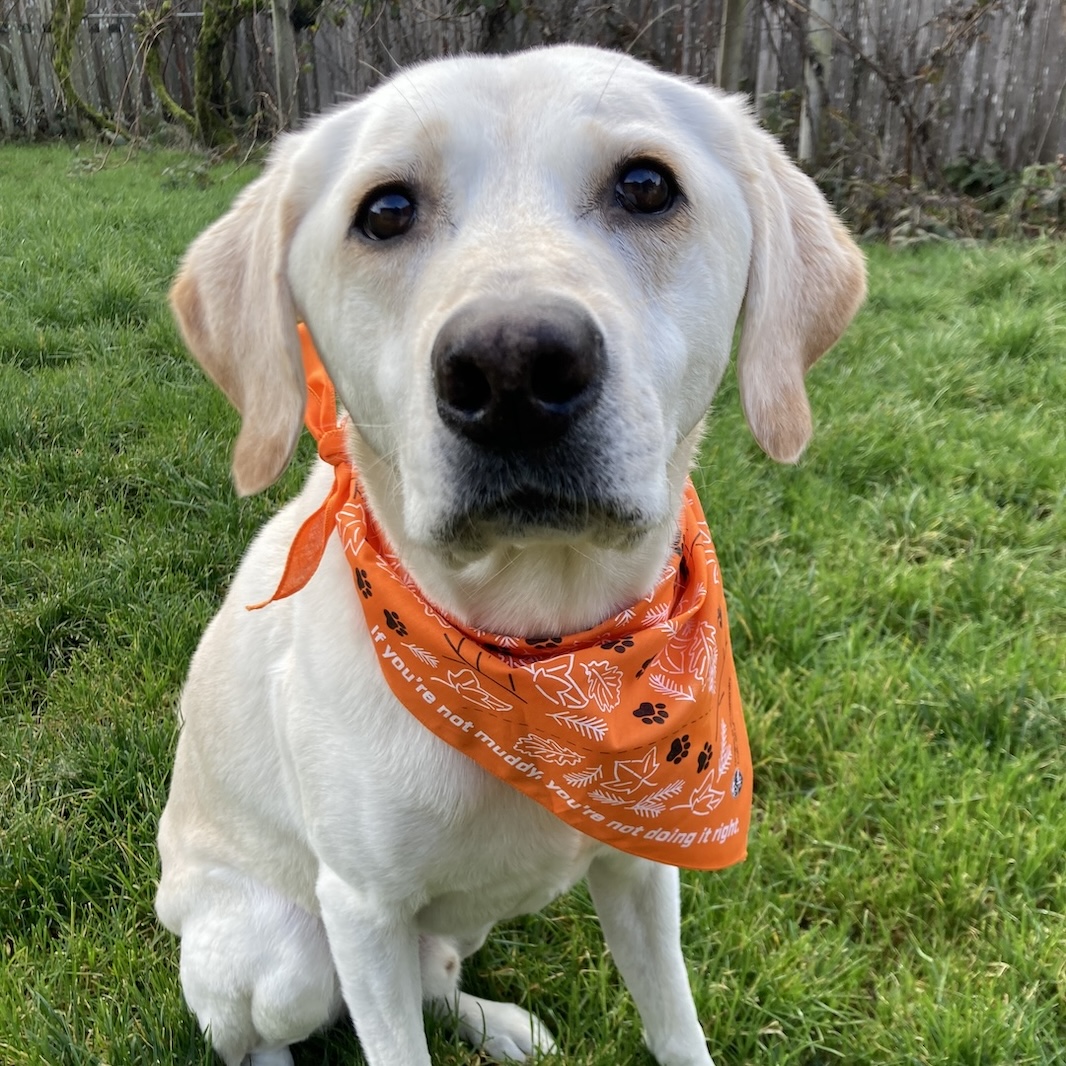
632,44
400,73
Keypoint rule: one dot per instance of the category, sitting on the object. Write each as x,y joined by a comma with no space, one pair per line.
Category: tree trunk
731,44
220,20
285,63
816,67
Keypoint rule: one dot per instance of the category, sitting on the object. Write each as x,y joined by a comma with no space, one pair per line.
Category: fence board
43,74
22,78
7,111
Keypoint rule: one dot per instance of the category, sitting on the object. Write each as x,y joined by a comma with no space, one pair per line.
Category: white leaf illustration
422,655
546,750
604,683
704,799
725,752
692,652
557,683
654,805
608,798
671,688
588,726
584,778
465,682
631,776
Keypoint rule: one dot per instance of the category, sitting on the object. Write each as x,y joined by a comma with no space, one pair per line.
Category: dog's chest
388,804
504,890
391,804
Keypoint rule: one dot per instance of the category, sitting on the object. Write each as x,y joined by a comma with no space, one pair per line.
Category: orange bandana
630,732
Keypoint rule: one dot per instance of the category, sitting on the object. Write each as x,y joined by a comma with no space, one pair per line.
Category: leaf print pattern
654,805
422,655
692,652
584,778
673,689
546,750
465,682
604,684
725,756
705,798
590,727
352,525
656,616
556,683
630,775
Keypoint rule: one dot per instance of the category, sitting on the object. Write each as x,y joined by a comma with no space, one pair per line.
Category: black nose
513,374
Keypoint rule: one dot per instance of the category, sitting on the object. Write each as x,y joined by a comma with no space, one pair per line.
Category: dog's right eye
645,188
386,213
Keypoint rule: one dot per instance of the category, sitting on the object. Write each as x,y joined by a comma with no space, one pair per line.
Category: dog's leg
639,906
256,970
376,951
503,1031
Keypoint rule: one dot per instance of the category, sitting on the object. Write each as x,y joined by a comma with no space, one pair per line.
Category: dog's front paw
275,1057
503,1031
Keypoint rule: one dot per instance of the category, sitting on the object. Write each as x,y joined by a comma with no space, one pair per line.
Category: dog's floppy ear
232,302
806,280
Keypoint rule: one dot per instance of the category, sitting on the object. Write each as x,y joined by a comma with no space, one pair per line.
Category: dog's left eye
645,189
386,213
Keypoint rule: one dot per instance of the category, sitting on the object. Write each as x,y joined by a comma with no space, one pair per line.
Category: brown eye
645,189
386,213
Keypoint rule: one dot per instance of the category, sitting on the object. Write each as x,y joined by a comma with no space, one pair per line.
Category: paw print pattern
392,620
544,642
703,759
362,582
738,784
679,750
651,713
644,666
620,646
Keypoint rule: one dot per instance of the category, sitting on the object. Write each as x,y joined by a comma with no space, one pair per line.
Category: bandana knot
631,731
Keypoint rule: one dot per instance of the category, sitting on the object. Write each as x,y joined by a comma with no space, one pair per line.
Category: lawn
898,602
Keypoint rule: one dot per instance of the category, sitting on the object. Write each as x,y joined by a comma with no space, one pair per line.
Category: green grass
898,604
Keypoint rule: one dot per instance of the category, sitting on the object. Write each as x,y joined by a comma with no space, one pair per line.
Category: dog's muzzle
516,375
521,385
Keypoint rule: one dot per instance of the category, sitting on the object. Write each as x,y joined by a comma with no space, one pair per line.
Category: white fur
318,843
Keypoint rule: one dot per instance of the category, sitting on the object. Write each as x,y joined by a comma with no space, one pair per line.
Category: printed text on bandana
428,690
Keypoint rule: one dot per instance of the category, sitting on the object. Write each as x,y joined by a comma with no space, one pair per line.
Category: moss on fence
221,19
66,18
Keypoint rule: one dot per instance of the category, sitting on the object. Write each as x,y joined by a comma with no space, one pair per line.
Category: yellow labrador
319,846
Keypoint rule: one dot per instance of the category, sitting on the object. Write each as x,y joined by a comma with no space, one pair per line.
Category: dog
522,276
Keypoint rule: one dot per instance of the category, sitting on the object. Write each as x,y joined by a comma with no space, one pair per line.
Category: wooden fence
910,85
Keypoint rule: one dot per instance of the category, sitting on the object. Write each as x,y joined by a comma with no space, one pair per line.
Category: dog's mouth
530,515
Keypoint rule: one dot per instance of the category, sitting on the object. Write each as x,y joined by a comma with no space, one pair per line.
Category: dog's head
523,275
